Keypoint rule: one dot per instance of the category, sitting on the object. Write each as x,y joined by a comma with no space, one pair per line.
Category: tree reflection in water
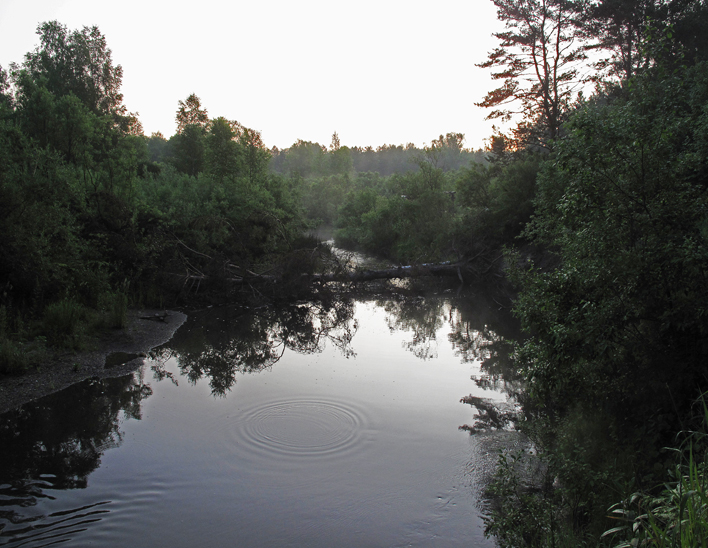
483,331
422,316
57,441
480,331
220,344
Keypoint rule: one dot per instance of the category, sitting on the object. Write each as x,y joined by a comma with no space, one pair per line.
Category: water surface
320,424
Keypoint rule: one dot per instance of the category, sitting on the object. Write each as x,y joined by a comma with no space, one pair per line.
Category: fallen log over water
414,271
484,264
462,271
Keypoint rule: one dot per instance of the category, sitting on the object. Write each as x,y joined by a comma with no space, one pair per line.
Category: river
317,424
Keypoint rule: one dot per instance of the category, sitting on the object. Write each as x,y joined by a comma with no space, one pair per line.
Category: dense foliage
615,306
448,204
95,214
395,201
617,348
92,212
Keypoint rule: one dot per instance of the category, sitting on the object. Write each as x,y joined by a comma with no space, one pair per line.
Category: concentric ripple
302,428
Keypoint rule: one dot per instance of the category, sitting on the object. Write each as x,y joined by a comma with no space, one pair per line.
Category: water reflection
480,331
56,443
220,344
483,331
422,316
65,434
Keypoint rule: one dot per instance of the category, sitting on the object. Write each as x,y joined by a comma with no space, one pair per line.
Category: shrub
13,359
63,322
114,307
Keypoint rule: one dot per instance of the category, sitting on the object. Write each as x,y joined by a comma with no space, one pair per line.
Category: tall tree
339,157
223,153
305,158
5,97
77,62
256,155
445,152
637,32
188,144
188,149
538,62
618,27
334,146
190,112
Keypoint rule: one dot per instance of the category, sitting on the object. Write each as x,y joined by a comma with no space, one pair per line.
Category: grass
678,516
68,323
114,307
13,359
64,323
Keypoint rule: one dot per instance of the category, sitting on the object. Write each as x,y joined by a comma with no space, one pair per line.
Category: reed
678,516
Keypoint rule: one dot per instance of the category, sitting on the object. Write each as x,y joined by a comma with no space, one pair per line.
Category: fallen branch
413,271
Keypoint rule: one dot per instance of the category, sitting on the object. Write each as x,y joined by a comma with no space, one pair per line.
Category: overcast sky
377,72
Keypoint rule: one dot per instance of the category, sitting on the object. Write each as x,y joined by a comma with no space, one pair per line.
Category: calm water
333,424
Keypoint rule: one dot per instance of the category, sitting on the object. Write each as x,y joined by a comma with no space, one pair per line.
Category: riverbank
66,368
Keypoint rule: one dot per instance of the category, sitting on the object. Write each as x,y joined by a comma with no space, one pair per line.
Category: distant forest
312,159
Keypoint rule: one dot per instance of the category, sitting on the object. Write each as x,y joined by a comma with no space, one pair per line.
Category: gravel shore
67,368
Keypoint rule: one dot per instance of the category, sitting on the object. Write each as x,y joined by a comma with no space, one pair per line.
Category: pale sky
376,72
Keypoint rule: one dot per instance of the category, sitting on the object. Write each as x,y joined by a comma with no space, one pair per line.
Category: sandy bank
65,369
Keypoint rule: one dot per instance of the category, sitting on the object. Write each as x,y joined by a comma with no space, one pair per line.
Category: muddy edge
67,368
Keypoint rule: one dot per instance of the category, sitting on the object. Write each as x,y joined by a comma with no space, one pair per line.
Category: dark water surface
315,425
